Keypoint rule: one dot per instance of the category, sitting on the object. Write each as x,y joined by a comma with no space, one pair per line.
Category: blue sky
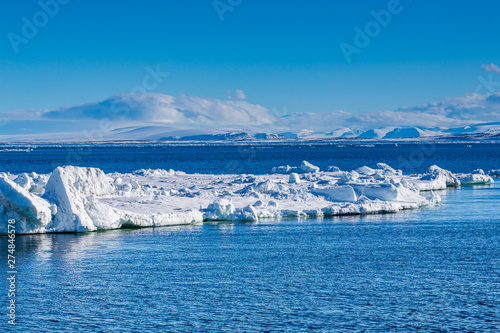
282,54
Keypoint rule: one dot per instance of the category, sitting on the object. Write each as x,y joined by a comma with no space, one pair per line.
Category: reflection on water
416,270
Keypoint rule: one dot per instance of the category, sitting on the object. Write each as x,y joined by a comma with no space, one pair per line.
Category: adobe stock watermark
248,154
12,271
487,83
223,6
120,110
485,86
363,37
420,154
30,28
280,121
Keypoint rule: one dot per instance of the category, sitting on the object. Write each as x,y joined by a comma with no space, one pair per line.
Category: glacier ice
364,170
294,178
78,199
343,193
308,167
33,212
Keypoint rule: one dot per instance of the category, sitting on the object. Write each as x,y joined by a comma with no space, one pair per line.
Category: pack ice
76,199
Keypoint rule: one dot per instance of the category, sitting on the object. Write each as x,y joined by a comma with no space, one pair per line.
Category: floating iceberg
475,179
75,199
437,179
304,167
32,212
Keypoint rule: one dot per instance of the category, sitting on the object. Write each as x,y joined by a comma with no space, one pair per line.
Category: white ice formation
75,199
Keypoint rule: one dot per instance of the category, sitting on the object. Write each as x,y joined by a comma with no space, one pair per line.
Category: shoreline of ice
77,199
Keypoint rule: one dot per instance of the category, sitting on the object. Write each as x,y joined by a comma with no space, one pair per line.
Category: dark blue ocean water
255,158
430,270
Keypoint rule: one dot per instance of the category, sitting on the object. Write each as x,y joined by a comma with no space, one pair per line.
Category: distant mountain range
158,116
157,132
487,130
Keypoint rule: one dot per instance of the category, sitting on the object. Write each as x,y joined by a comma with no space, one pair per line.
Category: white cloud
21,114
180,110
195,112
450,112
491,68
237,94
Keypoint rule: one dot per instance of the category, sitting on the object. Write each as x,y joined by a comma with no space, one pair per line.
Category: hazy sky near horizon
279,53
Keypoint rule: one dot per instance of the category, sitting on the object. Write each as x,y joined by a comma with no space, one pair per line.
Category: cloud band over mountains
196,112
180,110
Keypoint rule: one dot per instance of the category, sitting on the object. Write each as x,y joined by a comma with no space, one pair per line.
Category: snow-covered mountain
407,132
375,133
157,116
160,132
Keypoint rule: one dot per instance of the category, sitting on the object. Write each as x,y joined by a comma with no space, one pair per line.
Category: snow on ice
76,199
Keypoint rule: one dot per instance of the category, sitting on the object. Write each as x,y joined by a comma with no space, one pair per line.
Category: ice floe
77,199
